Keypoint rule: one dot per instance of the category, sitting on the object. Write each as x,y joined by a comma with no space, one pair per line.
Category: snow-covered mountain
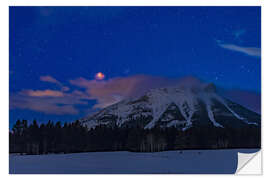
183,106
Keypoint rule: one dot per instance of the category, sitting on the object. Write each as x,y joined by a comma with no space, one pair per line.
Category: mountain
190,116
182,107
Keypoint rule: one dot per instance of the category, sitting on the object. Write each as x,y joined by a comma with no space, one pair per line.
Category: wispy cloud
251,51
47,105
43,93
51,79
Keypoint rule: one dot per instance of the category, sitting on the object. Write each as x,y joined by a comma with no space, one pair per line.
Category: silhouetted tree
74,137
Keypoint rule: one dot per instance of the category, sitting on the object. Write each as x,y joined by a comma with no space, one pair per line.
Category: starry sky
56,54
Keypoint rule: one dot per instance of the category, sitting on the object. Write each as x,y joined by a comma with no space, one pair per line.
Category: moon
99,76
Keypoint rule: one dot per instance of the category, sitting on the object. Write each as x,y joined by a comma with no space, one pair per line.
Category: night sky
56,53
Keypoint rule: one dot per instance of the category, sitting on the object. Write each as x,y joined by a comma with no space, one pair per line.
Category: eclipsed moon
99,76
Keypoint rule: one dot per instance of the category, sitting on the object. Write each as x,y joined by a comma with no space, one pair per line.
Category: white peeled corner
249,163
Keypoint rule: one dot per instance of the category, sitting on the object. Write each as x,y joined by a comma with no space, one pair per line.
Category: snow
234,113
91,124
191,103
226,105
252,123
122,162
207,100
211,116
161,100
175,123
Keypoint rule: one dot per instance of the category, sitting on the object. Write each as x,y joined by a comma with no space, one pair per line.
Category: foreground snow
174,162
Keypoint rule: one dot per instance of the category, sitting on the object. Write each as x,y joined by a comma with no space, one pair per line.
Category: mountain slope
182,107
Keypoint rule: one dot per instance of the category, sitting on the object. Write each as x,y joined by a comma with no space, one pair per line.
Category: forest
50,137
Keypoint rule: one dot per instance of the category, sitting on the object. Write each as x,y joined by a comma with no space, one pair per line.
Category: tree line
73,137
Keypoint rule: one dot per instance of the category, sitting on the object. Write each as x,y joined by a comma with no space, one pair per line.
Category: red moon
99,76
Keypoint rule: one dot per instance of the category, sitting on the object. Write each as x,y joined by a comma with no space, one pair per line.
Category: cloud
41,105
51,79
251,51
59,105
48,101
43,93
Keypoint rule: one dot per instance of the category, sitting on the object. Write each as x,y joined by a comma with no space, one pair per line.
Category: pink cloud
110,91
47,101
43,93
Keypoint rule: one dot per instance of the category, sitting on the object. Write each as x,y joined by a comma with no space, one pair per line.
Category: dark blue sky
215,44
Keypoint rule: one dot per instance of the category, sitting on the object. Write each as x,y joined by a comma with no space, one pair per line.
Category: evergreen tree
74,137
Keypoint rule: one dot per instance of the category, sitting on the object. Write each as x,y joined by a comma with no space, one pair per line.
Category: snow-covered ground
122,162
